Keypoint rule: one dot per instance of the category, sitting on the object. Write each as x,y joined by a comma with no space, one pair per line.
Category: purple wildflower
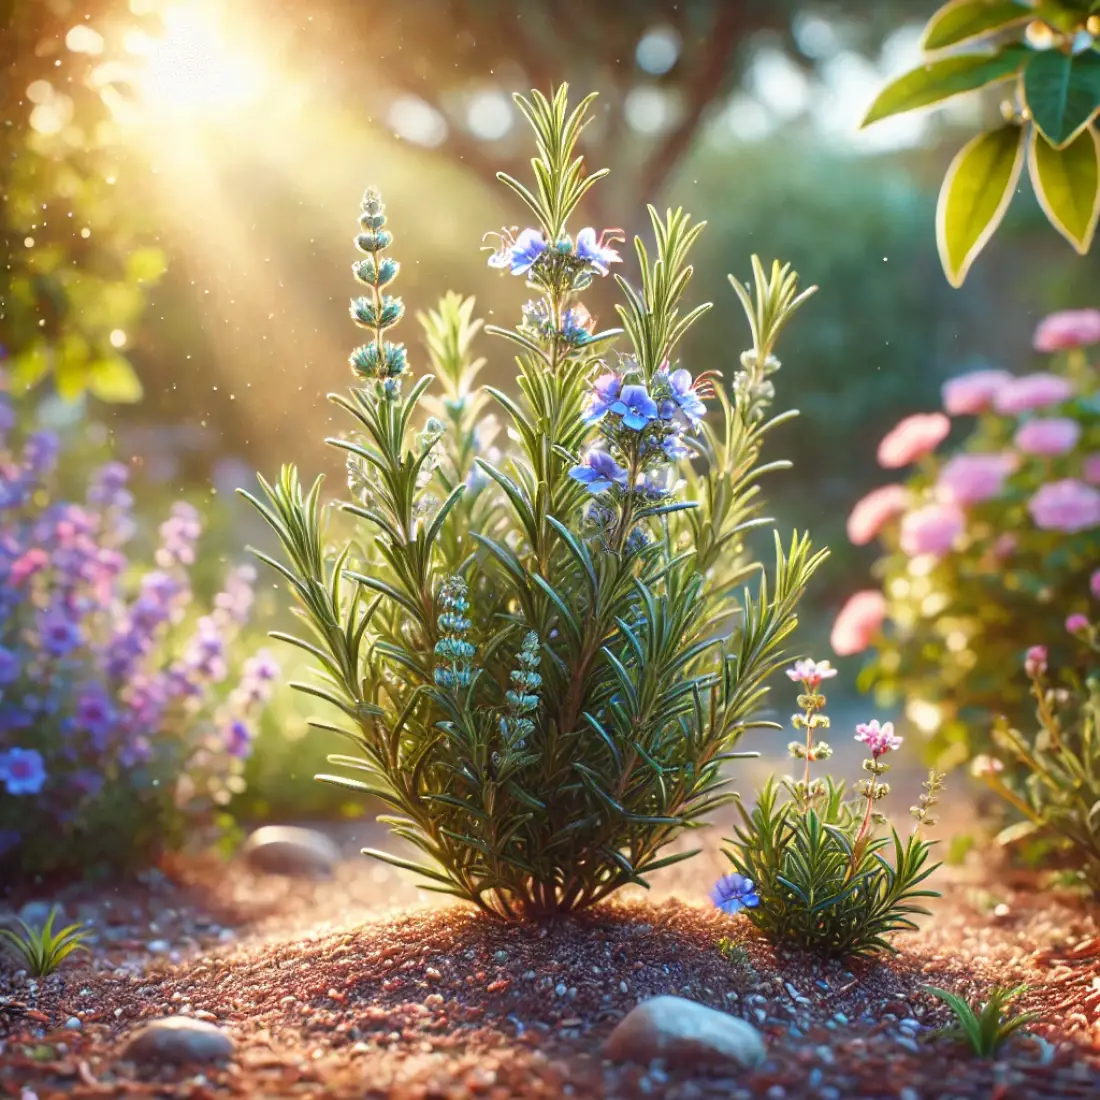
40,452
599,471
9,667
810,673
519,254
58,630
22,771
605,392
595,252
95,715
734,892
636,407
684,398
238,740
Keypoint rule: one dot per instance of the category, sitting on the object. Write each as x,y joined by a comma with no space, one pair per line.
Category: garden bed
437,1001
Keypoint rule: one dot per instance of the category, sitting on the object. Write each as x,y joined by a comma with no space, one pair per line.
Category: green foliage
542,676
985,1027
1051,53
823,880
43,950
1053,777
815,890
958,621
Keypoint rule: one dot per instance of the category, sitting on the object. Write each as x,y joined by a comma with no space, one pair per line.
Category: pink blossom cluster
879,739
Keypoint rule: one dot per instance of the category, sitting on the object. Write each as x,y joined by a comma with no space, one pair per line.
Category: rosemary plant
809,867
544,657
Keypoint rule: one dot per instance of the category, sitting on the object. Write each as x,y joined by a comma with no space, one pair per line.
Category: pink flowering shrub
989,546
126,709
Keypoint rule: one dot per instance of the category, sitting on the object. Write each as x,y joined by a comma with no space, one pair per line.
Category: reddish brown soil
439,1002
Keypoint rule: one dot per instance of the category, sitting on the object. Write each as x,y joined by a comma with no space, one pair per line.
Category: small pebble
74,1023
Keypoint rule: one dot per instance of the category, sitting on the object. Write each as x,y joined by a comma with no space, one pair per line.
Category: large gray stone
683,1033
287,850
176,1040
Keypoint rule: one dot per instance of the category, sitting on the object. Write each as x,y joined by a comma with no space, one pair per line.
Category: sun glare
190,67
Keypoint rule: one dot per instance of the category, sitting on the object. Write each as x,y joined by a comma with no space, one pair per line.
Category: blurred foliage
76,260
887,329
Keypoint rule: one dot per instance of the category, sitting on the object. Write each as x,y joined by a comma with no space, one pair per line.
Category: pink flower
1048,437
811,672
858,622
1090,469
972,393
876,509
912,438
1094,584
1072,328
932,529
1033,391
1035,661
1005,545
1068,505
879,739
33,561
968,479
1075,624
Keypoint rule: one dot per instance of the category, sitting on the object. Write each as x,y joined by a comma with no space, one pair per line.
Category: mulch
327,996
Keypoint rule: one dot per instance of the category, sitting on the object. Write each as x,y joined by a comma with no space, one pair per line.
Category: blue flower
683,398
636,407
238,741
595,252
520,253
9,667
732,893
599,472
22,771
59,633
605,392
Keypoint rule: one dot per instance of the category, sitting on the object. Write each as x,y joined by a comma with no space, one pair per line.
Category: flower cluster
568,265
642,428
989,546
113,691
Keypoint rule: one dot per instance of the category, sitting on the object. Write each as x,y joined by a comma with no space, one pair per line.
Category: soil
329,992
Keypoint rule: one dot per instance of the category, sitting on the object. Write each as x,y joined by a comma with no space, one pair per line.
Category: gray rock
286,850
36,913
684,1033
178,1039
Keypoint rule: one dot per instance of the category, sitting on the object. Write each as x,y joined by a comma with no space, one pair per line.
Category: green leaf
975,195
1067,185
936,81
114,380
1062,93
961,20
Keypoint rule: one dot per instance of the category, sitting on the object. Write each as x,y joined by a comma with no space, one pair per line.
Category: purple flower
238,740
599,472
40,452
636,407
9,667
732,893
94,714
605,392
179,533
108,487
58,631
684,398
595,252
520,253
22,771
